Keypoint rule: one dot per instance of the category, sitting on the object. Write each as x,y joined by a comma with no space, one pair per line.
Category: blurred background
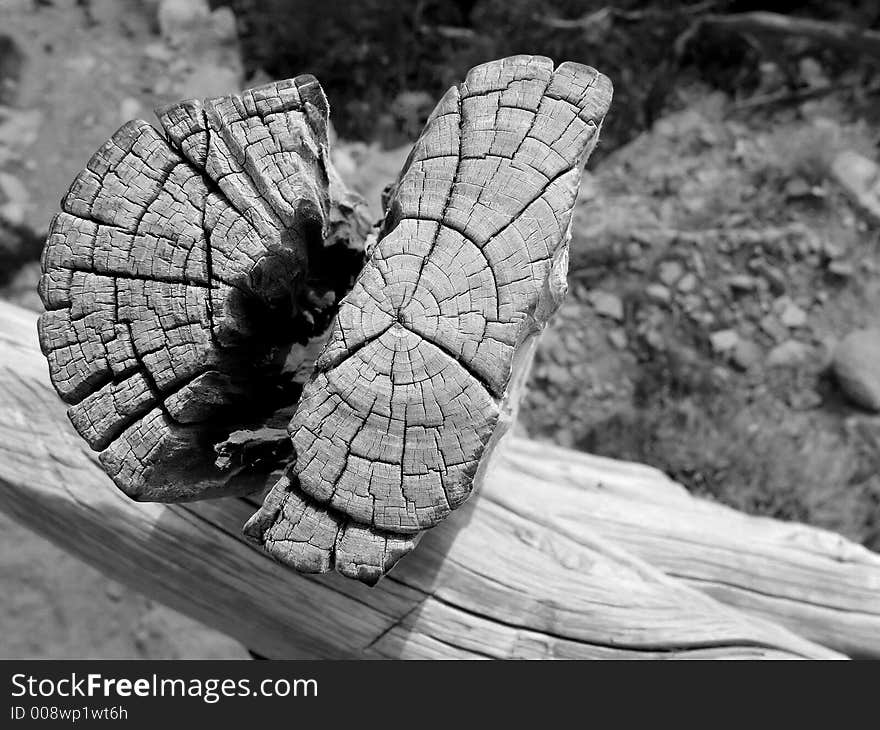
723,318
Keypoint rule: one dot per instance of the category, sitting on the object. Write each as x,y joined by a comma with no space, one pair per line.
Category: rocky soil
723,310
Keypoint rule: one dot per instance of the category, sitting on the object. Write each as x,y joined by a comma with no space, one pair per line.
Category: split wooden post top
185,269
191,275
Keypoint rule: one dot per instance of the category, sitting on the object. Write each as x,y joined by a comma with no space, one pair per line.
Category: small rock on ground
746,354
658,293
787,354
607,304
856,366
723,340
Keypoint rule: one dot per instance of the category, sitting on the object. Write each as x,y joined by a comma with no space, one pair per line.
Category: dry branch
600,19
842,36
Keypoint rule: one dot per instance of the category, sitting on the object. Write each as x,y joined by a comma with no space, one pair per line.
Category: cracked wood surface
811,580
515,573
405,404
183,266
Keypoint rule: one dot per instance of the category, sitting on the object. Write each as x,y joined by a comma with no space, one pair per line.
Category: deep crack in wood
427,353
183,267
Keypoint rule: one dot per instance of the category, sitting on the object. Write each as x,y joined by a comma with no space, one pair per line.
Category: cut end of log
409,392
296,529
184,265
191,272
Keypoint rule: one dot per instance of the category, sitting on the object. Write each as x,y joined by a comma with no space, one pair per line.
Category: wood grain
813,581
471,262
500,578
184,265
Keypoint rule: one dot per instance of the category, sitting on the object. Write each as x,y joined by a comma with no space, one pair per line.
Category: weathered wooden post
190,283
184,268
184,272
425,356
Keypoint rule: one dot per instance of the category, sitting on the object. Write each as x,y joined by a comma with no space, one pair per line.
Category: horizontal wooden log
500,578
813,581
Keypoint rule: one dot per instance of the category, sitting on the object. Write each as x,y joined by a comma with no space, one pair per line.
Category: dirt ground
54,606
717,262
715,267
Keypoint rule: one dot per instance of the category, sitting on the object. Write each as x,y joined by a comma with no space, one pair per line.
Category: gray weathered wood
471,262
813,581
486,579
182,268
503,577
